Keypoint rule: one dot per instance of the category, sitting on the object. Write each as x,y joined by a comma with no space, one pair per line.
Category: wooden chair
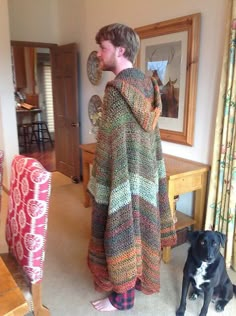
26,228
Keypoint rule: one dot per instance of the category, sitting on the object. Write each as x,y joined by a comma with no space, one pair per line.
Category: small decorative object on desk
27,106
95,112
93,70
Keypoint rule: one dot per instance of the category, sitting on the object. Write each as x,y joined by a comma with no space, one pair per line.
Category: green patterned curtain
221,206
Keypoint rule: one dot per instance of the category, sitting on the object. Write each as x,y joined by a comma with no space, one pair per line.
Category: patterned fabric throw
131,217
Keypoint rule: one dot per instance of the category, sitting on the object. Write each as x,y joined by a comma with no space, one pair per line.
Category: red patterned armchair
1,176
26,224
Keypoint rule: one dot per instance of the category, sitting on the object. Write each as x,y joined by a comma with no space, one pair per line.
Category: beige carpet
67,284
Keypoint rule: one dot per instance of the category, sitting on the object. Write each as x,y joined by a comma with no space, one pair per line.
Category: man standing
131,217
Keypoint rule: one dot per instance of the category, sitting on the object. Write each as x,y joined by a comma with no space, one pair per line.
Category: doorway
31,65
65,110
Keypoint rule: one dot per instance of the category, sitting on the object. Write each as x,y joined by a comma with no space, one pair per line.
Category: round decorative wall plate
95,110
93,70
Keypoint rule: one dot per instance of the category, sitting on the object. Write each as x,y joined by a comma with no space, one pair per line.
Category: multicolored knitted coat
131,217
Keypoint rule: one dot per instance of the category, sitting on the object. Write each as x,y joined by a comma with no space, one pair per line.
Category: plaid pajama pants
124,301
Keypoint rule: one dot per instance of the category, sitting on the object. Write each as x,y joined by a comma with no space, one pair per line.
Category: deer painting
169,93
170,99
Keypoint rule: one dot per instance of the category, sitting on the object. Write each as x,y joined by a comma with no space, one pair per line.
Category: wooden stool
40,130
25,135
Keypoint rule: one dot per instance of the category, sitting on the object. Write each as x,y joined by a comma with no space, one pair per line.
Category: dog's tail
234,289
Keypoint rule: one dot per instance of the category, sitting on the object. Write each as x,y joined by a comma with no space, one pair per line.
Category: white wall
26,20
89,15
78,21
8,132
140,13
33,20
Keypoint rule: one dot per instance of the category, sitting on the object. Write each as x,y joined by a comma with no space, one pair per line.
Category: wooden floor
45,156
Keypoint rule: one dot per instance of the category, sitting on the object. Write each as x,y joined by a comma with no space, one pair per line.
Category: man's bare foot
104,305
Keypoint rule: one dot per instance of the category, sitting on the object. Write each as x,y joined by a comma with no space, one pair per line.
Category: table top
175,166
11,298
22,110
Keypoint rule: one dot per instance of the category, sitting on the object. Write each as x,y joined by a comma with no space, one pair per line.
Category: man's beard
110,66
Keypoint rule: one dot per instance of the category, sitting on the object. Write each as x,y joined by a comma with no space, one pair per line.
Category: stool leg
49,136
25,137
34,137
24,132
41,132
38,132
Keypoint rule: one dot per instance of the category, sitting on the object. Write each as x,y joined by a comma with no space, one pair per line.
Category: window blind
47,74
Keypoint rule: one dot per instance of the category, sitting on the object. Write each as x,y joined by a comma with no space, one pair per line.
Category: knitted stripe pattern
131,217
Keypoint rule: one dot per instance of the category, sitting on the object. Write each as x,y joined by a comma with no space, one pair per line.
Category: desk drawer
187,184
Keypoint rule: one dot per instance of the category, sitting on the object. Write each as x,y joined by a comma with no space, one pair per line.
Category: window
47,77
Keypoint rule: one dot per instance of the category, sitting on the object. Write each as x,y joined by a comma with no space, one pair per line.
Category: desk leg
85,181
199,204
166,254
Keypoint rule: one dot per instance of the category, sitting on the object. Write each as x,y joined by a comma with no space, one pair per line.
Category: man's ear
121,51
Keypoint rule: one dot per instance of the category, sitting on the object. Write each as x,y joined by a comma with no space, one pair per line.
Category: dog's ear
192,236
222,238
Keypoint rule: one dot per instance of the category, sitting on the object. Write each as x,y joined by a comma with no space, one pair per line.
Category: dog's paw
193,296
220,305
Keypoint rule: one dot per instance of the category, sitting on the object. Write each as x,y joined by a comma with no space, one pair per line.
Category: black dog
205,270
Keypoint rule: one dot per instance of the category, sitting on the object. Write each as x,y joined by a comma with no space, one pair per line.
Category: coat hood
142,95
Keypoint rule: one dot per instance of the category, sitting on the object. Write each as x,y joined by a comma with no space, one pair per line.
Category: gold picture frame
173,42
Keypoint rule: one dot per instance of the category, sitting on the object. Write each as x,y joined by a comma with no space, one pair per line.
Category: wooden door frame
33,44
51,46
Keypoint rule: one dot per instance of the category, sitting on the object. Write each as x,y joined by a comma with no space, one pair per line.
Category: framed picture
169,52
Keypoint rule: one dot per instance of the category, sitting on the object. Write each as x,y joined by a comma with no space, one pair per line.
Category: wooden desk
88,154
27,116
182,175
12,301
